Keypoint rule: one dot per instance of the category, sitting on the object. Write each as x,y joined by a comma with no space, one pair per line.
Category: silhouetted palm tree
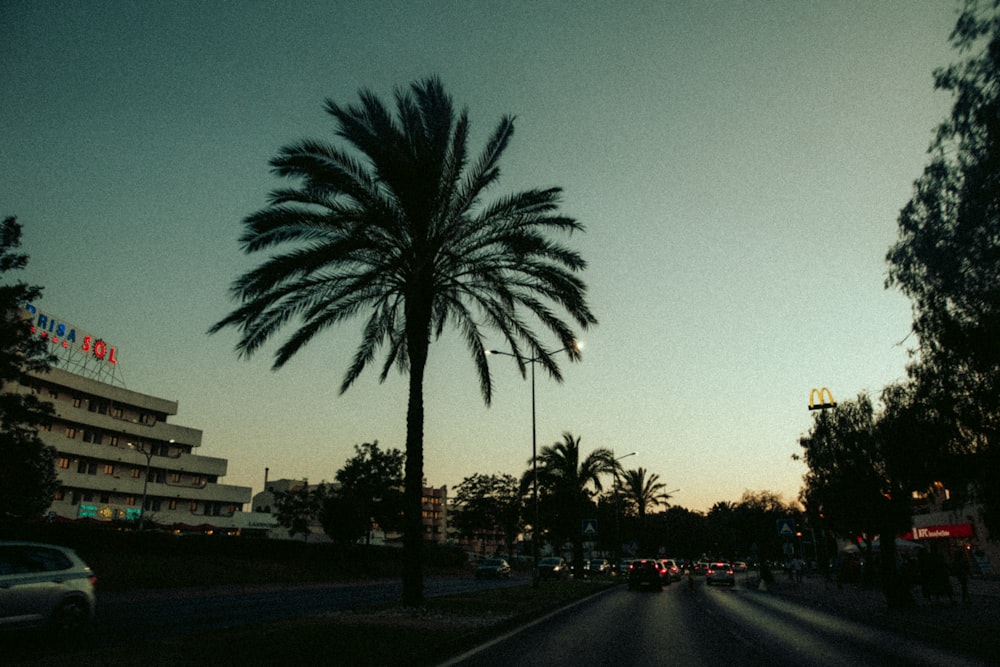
397,229
572,484
643,493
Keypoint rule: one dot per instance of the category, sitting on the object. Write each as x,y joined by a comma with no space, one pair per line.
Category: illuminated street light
578,346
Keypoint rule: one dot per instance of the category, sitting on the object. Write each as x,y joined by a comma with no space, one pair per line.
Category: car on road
739,566
493,568
553,567
622,567
45,586
598,567
645,573
673,569
720,573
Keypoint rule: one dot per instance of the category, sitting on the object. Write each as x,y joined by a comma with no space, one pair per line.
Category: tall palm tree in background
643,493
394,226
572,483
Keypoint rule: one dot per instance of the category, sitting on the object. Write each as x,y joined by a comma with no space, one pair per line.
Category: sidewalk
965,628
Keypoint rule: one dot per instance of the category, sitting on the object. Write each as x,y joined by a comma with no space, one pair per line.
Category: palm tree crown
395,226
642,492
404,235
572,482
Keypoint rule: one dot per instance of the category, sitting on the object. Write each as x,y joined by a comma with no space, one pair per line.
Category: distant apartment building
117,454
433,512
483,543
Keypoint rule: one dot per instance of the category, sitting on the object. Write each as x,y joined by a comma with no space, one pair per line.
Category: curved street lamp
534,445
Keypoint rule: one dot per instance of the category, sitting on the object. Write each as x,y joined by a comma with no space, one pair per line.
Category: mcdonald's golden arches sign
820,399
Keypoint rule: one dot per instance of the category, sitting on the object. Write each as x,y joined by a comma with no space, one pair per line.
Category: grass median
389,634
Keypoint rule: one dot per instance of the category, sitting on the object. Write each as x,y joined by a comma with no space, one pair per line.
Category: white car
720,573
44,585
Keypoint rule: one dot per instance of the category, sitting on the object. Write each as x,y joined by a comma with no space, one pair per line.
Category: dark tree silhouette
947,257
394,228
28,480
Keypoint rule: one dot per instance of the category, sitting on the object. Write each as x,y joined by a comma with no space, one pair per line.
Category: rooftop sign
76,350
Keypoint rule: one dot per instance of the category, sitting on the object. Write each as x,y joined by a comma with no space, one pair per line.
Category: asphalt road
704,626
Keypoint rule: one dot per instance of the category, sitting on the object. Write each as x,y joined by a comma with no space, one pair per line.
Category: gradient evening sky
739,167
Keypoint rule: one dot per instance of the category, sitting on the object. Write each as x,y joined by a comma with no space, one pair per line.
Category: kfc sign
945,531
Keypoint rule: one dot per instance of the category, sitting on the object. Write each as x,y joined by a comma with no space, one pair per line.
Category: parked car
673,569
720,573
645,573
739,566
493,568
45,586
553,567
598,567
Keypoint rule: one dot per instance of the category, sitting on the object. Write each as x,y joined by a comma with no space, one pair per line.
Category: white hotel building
116,451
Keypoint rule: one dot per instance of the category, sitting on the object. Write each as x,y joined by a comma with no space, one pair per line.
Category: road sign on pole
589,527
786,527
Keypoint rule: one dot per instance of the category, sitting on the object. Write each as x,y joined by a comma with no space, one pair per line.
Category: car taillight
93,579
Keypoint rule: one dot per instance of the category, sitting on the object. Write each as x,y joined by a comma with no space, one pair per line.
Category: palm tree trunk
413,527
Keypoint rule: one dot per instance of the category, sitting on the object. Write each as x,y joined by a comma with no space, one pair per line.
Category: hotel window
175,477
113,441
63,462
194,506
172,504
105,498
70,432
109,468
130,500
92,436
196,480
117,412
136,473
53,393
60,495
77,401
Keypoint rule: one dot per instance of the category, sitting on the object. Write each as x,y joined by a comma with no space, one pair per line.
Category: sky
739,168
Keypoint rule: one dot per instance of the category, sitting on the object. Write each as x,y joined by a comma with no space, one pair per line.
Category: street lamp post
534,451
143,449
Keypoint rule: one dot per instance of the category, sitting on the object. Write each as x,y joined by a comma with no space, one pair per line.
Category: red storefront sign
935,532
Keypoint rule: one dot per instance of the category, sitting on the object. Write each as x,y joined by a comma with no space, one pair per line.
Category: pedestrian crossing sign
589,527
786,527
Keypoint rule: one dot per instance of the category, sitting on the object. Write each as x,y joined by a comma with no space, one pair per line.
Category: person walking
797,567
960,568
